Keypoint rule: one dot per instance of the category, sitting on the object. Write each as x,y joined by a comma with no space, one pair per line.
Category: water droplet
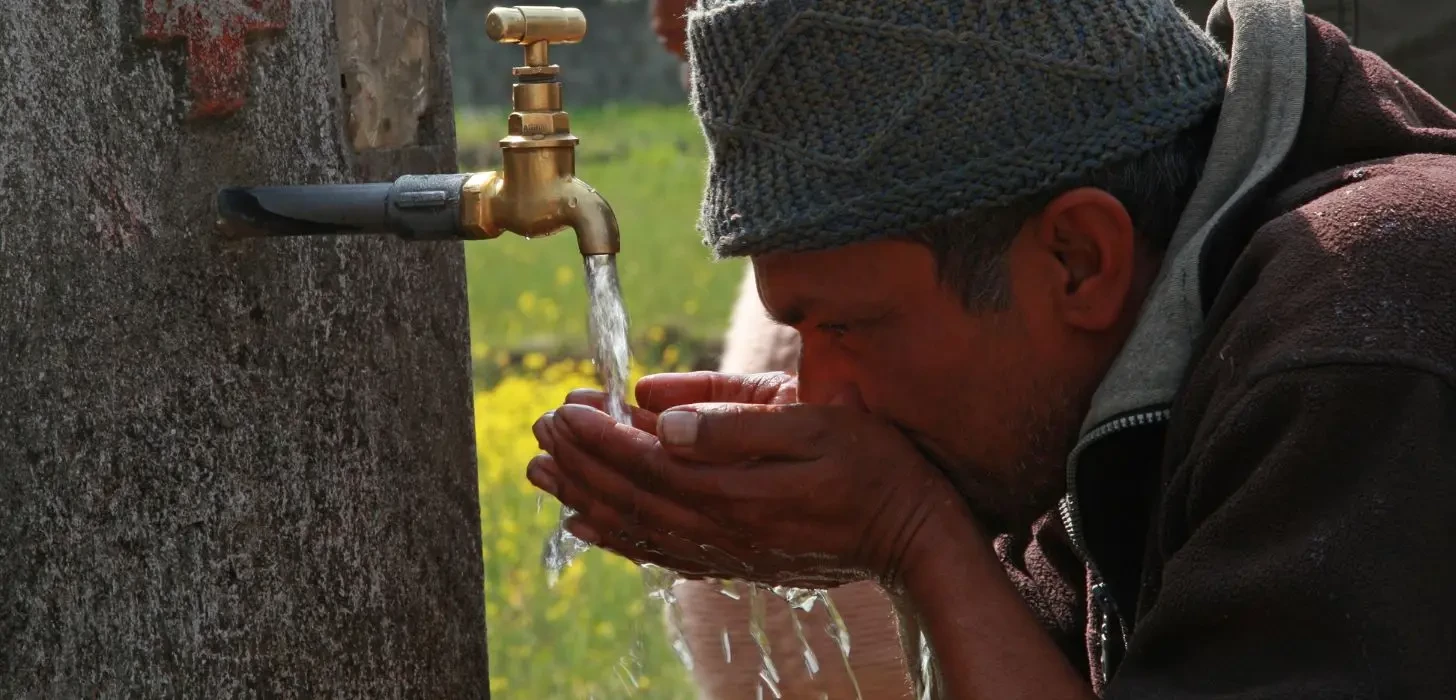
837,631
757,618
927,670
836,627
811,662
571,202
773,686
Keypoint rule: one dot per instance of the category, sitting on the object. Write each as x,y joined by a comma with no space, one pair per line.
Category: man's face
994,397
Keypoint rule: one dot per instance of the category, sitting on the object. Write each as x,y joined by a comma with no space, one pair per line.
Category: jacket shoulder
1359,268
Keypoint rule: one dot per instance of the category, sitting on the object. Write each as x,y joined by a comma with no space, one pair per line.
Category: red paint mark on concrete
216,32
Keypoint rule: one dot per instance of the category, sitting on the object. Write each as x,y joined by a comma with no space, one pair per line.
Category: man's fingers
600,463
643,533
637,455
624,543
642,419
660,392
716,432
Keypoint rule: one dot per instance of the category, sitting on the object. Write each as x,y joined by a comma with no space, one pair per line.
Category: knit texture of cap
831,122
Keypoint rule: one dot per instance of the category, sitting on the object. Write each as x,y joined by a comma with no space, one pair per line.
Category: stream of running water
607,326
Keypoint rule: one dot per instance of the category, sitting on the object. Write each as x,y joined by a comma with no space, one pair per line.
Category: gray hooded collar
1262,107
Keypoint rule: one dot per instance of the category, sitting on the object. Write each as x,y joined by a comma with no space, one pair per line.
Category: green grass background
595,635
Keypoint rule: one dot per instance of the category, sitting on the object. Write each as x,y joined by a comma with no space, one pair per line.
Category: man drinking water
1128,362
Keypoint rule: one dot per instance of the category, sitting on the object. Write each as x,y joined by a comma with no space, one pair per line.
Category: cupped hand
726,476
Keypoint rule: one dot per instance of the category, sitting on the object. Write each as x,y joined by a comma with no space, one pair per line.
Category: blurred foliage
649,163
595,634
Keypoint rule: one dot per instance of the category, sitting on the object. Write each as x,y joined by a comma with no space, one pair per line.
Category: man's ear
1090,235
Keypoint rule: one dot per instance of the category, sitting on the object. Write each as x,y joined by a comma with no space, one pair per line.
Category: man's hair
970,250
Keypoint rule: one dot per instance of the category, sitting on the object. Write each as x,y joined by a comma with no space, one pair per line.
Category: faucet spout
497,201
537,192
593,220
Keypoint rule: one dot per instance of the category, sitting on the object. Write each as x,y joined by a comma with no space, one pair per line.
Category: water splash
927,670
607,327
839,632
659,583
757,618
607,324
801,599
811,661
836,629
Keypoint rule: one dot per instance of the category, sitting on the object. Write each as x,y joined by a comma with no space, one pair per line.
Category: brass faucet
535,193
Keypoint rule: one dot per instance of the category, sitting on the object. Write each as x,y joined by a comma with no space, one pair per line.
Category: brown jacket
1418,36
1284,526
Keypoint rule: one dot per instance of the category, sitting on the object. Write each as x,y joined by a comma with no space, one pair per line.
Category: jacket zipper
1105,613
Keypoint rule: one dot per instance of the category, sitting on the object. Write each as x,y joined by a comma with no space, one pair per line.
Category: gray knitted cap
839,121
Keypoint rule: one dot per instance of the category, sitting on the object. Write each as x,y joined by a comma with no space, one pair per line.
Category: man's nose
826,379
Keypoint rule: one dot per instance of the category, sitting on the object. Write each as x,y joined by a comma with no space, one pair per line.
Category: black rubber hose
305,210
414,207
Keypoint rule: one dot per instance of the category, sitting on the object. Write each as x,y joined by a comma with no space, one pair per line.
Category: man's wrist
948,537
984,638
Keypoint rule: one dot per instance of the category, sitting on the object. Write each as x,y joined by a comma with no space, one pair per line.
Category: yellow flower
563,641
526,302
550,310
506,547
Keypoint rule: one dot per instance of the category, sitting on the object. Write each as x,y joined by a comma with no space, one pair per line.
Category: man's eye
836,330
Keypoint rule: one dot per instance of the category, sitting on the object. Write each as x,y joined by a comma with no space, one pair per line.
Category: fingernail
678,428
582,395
575,417
541,478
542,430
582,531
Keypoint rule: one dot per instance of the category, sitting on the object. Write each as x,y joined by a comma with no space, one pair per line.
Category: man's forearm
984,640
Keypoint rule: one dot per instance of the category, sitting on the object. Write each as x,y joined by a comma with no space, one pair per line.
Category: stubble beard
1012,498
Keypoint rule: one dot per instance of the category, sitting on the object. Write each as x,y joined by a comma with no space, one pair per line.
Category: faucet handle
532,24
535,28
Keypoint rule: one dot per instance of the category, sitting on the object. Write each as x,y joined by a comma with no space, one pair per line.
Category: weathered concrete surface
385,57
226,470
